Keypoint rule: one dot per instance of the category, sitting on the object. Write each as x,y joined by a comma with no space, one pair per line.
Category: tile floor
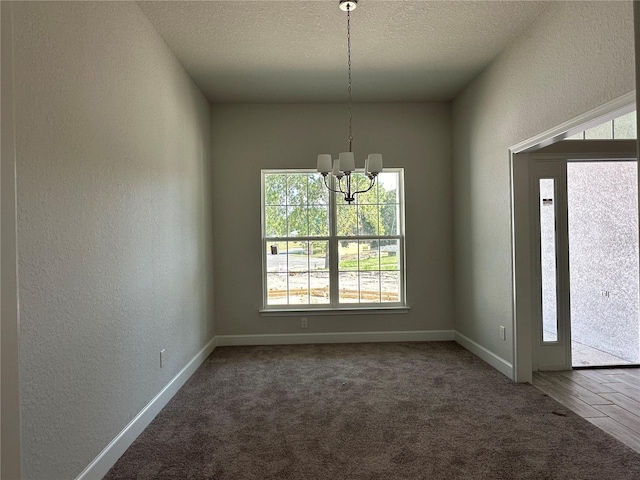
608,398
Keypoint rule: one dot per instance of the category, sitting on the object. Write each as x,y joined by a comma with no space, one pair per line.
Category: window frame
334,306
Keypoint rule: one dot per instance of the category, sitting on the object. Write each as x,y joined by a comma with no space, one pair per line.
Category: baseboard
112,452
499,363
99,467
339,337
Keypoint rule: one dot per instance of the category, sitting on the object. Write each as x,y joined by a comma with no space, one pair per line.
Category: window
321,253
623,127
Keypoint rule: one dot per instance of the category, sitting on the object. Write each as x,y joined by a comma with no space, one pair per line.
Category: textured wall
114,228
248,138
578,56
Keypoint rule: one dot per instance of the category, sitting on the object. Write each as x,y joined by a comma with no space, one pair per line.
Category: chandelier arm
348,177
331,189
373,182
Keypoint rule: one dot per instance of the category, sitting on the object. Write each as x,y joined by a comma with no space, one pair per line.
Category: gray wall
577,56
114,230
248,138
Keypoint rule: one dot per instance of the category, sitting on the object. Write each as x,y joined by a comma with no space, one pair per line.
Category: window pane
389,219
317,192
318,256
349,287
275,221
276,257
390,286
277,288
297,257
370,287
389,255
368,219
600,132
297,189
388,187
318,221
625,126
548,260
298,222
319,283
370,197
347,255
298,288
347,221
275,188
577,136
369,259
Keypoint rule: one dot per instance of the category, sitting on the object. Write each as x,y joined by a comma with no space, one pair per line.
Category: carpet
367,411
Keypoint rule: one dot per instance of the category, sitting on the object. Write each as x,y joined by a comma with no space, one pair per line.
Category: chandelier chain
349,65
334,171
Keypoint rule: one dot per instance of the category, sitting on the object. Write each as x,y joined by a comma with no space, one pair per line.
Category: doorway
602,214
584,241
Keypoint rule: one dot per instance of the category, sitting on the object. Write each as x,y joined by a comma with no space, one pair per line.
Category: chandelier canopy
342,167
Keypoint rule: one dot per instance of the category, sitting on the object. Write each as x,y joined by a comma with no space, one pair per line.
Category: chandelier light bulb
324,163
336,167
374,163
347,162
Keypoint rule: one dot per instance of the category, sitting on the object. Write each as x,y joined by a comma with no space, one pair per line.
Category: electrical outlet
303,322
503,335
163,357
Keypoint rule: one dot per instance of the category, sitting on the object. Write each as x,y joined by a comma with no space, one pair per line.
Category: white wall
576,57
248,138
113,187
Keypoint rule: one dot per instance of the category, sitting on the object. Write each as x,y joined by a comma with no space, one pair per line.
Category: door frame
522,370
556,354
523,300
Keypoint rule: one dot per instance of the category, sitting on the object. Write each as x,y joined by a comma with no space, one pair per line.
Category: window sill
289,312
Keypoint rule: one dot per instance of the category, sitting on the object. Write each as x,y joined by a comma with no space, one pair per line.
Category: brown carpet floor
367,411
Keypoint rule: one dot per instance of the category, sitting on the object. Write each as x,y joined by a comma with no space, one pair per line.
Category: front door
584,239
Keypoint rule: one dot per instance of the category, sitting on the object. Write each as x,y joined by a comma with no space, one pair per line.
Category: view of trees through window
303,225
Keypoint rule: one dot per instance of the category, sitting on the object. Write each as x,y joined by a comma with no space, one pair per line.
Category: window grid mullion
334,287
308,271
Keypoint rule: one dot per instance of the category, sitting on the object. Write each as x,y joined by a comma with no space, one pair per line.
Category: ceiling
295,51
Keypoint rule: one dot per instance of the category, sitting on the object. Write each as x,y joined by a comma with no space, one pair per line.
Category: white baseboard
112,452
340,337
99,467
499,363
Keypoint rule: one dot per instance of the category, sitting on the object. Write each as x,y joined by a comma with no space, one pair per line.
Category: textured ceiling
295,51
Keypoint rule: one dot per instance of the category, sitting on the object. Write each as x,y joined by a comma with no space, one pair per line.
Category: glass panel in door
548,265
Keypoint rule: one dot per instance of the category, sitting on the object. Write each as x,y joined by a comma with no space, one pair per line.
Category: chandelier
342,167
